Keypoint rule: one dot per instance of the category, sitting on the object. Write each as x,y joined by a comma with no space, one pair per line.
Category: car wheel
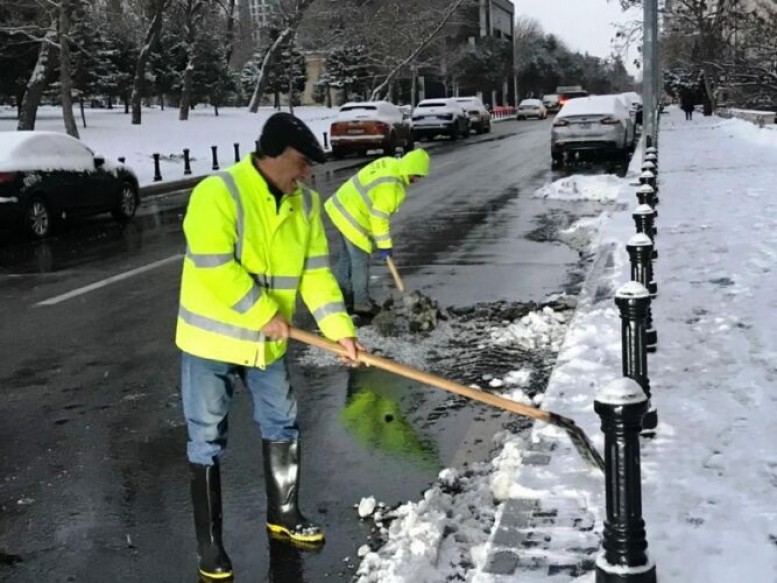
409,144
128,202
454,133
466,132
38,220
338,153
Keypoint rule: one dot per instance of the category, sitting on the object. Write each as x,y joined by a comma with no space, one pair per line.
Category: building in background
263,13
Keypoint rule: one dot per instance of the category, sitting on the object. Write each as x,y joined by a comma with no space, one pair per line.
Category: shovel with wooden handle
579,439
395,274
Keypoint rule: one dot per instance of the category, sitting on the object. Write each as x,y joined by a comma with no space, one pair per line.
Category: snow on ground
109,133
709,476
603,188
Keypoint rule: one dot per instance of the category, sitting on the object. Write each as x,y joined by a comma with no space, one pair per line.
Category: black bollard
621,406
187,168
214,151
644,219
649,178
649,166
646,194
257,147
326,141
237,152
652,158
157,171
122,159
633,301
640,250
649,141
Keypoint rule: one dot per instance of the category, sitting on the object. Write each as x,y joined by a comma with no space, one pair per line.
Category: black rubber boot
206,499
281,475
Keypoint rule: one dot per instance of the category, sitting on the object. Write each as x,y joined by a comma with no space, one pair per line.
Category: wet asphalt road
93,478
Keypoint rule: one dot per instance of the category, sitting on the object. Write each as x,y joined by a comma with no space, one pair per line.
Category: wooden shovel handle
424,377
395,274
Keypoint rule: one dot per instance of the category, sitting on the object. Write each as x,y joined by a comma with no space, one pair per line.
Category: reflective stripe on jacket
361,207
246,260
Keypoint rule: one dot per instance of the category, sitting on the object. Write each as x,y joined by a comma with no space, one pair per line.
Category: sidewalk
710,474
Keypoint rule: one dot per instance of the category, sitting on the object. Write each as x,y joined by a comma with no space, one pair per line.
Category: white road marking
108,281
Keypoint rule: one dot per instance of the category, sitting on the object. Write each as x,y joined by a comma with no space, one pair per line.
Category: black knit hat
283,129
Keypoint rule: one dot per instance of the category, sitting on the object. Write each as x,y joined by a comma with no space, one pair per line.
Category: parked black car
46,177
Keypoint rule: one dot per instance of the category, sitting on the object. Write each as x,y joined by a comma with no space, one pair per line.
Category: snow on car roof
596,104
368,110
38,150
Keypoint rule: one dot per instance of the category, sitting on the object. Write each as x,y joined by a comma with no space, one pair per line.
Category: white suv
433,117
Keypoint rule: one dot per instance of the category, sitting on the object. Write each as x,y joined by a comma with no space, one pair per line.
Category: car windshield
530,102
433,104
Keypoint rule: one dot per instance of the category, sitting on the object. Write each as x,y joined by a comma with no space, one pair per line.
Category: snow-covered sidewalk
709,475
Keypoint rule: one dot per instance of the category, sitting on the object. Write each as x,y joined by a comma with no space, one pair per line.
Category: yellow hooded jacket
245,261
360,209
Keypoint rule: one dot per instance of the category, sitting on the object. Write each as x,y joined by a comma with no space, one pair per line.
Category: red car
370,125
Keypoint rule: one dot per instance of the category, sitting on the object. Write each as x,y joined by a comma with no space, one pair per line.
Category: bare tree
290,18
149,43
424,41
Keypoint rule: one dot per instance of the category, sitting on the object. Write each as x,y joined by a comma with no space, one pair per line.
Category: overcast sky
583,25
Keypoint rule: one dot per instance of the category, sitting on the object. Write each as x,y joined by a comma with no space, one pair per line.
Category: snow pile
540,329
437,539
746,130
603,188
579,234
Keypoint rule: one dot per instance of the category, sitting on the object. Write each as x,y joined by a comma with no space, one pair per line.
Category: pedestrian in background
687,103
361,209
255,240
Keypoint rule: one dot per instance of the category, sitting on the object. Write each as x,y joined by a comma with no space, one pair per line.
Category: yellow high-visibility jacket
245,261
360,209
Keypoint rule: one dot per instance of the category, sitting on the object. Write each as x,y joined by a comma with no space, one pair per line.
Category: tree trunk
230,34
413,85
291,93
83,113
186,91
28,108
152,34
328,96
65,78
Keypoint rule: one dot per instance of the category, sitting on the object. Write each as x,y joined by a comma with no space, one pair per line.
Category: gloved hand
384,254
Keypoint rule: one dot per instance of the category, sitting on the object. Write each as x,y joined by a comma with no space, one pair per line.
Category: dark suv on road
46,177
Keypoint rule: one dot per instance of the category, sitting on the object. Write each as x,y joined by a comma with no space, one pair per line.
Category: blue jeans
207,387
352,271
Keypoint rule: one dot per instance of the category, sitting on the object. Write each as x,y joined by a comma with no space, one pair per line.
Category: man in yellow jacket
255,240
360,210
